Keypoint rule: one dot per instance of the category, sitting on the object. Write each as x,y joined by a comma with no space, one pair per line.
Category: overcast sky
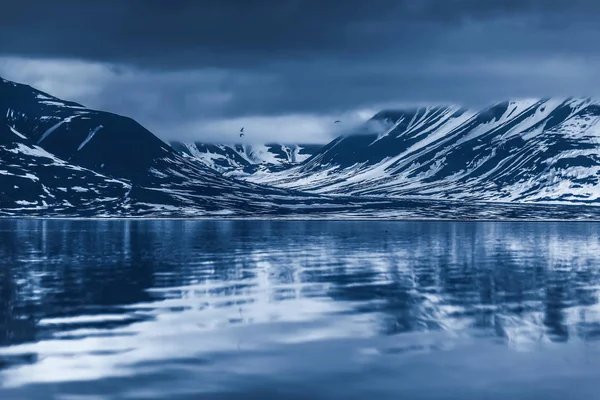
286,69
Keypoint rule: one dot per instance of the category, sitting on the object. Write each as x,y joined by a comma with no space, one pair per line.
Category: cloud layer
195,69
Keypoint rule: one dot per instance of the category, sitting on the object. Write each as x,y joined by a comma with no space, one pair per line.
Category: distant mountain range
242,159
61,159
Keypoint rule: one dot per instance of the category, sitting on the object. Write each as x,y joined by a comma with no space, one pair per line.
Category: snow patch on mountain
13,130
54,127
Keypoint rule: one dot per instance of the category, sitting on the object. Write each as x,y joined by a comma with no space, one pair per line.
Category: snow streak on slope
89,137
529,150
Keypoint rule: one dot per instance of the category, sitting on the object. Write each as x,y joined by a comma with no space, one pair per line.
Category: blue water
299,310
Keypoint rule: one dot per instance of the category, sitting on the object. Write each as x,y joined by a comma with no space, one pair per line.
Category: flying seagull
241,134
337,122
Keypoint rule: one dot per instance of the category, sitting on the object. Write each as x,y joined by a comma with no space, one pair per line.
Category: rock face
541,150
244,159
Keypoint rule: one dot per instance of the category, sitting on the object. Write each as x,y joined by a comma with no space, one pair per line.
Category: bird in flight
242,132
337,122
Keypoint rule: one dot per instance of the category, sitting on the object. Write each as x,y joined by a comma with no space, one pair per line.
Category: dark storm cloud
246,33
171,64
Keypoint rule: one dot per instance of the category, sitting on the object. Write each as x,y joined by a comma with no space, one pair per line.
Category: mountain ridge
469,155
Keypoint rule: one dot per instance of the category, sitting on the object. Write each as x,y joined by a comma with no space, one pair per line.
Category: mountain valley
517,159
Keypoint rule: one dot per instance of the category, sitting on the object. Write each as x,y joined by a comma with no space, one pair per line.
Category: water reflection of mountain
522,282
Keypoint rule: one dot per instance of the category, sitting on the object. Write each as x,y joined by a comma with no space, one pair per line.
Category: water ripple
210,309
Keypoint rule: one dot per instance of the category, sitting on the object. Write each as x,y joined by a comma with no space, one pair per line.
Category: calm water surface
299,310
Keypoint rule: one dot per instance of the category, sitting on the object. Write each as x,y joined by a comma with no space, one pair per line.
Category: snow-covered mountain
61,158
242,159
536,150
